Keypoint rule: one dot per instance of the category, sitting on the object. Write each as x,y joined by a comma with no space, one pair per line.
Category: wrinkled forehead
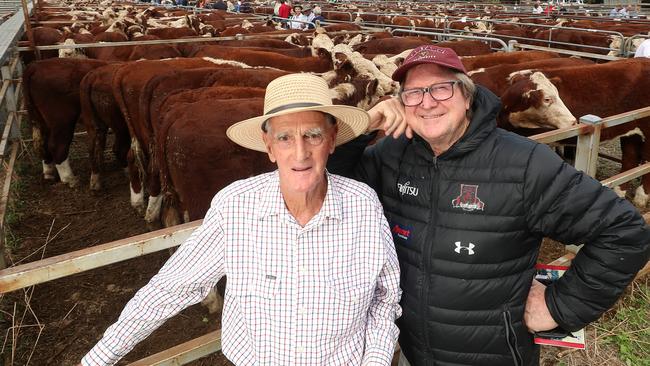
300,121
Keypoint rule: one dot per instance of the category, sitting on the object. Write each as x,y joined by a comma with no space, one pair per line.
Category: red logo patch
468,199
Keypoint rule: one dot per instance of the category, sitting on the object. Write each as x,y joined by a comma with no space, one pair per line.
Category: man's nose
428,101
301,149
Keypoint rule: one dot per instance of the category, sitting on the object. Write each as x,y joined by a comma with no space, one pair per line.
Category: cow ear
322,52
371,88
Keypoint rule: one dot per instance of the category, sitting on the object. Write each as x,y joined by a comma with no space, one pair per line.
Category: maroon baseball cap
429,54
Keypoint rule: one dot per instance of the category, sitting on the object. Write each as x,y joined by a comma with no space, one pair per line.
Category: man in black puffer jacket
468,205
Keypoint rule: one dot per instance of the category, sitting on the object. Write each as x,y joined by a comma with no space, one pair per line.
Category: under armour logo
469,248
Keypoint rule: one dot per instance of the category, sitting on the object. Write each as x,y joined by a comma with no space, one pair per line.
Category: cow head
353,63
321,41
533,101
71,52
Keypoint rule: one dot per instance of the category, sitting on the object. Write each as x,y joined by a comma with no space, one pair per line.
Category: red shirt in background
284,11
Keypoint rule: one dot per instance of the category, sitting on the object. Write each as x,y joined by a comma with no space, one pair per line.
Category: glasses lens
442,91
412,97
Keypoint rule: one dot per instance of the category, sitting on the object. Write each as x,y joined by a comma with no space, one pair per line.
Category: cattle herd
168,104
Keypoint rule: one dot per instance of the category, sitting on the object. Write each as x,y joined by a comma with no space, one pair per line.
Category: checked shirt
323,294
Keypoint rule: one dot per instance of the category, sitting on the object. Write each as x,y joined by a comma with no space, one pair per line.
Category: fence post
587,149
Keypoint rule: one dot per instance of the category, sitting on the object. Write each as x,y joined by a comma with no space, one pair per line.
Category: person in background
295,15
615,10
284,11
306,16
624,12
219,5
276,8
469,204
318,17
312,272
537,9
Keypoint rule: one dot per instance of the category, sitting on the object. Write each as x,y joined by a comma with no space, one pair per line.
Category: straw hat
299,93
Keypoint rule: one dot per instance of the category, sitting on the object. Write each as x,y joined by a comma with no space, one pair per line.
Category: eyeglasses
286,140
438,91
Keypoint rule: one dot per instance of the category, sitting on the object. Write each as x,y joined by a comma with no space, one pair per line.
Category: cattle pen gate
26,275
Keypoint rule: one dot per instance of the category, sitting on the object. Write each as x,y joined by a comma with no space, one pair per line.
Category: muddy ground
67,316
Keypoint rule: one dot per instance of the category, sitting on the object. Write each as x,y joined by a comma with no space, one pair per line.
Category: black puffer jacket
468,225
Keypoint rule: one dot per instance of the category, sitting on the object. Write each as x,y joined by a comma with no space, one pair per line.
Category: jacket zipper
428,246
510,336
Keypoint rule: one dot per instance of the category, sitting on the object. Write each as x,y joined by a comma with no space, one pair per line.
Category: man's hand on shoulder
390,117
536,316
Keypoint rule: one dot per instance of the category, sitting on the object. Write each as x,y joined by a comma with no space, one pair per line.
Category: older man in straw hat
312,271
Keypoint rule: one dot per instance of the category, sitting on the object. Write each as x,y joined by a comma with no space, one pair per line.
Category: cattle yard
80,238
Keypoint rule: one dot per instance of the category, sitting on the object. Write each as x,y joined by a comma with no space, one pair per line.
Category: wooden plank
4,200
559,134
48,269
626,176
185,352
4,139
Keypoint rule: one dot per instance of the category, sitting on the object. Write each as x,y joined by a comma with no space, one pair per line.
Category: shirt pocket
255,297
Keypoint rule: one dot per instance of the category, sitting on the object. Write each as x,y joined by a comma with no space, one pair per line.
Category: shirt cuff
100,355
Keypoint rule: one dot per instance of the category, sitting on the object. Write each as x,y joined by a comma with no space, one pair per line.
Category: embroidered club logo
407,189
403,233
469,248
468,199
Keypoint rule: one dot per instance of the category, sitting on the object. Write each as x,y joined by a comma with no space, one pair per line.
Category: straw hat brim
352,122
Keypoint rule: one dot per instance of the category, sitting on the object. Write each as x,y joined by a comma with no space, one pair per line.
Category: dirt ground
67,316
72,313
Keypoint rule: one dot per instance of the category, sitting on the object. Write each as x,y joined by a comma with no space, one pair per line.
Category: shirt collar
271,201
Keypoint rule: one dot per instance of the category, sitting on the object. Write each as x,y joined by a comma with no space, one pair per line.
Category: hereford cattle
393,45
216,51
467,47
496,79
42,36
52,98
154,96
99,112
200,159
494,59
603,90
270,59
127,84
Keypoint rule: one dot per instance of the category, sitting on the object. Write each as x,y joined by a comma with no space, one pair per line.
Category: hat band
291,106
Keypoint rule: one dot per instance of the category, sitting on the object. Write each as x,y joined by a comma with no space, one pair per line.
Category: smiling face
441,124
300,143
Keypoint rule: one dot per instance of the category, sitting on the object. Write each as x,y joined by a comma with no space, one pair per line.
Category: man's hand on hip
536,316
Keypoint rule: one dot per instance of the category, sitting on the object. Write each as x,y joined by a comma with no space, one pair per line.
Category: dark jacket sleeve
571,207
356,160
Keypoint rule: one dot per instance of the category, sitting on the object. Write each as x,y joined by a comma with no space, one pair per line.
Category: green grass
630,327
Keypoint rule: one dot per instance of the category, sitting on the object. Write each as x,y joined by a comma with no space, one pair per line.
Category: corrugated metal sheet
11,30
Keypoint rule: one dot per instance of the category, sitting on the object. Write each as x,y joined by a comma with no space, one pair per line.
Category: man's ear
267,143
335,131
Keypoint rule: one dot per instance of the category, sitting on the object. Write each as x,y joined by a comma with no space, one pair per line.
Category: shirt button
301,349
302,310
303,270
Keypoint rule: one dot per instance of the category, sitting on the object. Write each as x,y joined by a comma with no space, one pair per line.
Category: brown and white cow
603,90
52,99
